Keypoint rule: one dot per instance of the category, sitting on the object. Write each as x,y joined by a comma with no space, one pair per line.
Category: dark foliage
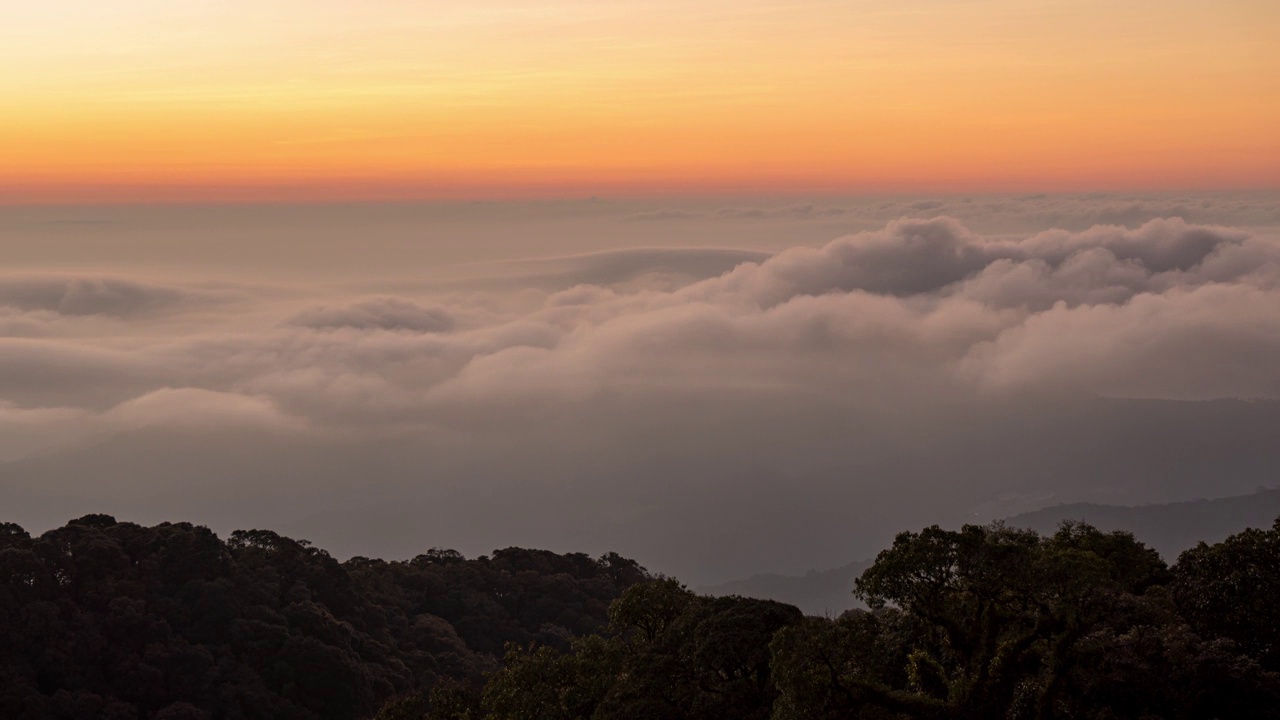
103,619
112,620
976,624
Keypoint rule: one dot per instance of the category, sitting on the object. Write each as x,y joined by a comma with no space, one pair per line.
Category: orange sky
140,100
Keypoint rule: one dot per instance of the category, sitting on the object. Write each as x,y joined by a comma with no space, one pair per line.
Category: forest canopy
108,619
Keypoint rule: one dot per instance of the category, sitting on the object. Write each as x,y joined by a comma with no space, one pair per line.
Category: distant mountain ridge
1170,528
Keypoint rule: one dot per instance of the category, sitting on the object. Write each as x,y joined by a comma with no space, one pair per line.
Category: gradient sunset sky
146,100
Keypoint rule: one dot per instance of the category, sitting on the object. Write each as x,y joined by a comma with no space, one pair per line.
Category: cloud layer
757,403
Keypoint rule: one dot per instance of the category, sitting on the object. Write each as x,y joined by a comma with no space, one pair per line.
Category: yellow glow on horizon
133,99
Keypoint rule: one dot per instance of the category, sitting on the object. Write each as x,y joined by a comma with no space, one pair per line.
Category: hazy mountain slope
1168,527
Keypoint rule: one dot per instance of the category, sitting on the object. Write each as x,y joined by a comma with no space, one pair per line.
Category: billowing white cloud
920,303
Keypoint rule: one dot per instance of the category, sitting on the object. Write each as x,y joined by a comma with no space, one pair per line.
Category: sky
286,100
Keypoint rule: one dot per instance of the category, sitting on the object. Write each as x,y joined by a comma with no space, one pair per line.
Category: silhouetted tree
1232,590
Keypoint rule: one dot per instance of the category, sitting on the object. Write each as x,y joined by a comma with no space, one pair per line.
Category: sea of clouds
713,407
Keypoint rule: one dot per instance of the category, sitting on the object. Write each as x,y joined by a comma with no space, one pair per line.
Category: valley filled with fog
714,387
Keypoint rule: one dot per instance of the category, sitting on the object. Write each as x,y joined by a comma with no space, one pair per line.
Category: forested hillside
113,620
